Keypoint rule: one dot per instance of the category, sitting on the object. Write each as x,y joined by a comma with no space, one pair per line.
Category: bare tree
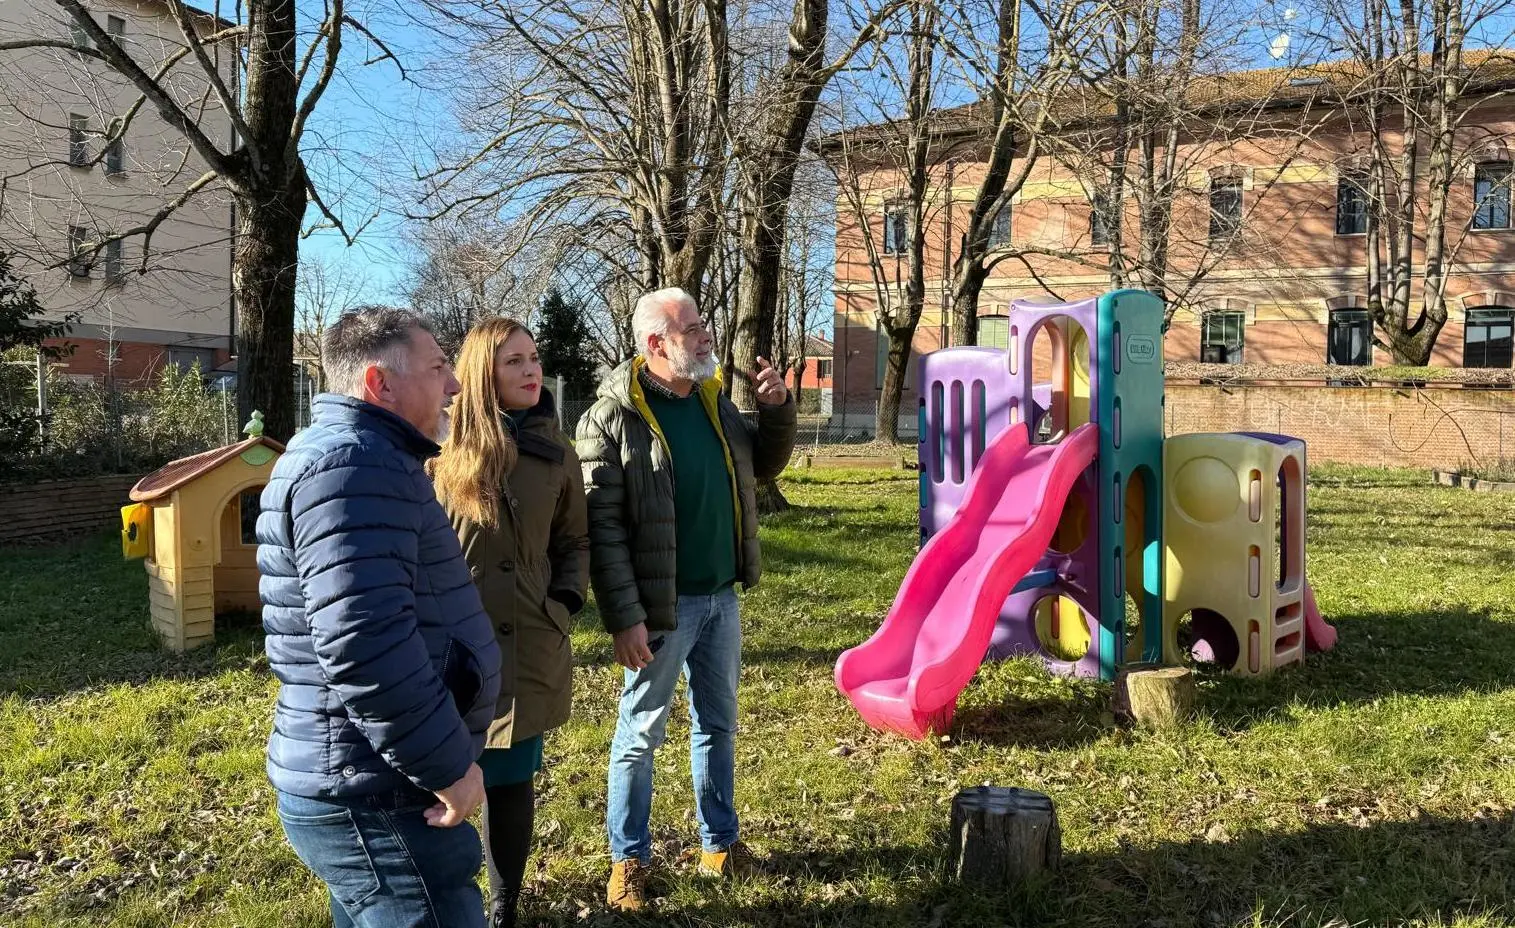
325,289
253,69
1414,93
889,164
1159,129
769,145
611,113
1018,84
805,282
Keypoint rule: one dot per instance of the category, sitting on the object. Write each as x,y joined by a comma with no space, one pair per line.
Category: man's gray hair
365,336
651,316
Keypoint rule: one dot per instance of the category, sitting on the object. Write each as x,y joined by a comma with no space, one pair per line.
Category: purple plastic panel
1025,321
1015,632
964,395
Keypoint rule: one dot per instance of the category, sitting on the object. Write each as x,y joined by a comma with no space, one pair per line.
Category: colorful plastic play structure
1057,521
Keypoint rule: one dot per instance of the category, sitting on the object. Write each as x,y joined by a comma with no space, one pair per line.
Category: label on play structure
1141,349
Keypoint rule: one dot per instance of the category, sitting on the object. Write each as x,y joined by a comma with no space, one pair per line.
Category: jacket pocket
562,620
463,675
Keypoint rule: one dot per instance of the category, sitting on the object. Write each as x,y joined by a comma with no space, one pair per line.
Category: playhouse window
249,507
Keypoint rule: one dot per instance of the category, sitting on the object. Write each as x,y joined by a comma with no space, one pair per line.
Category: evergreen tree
565,346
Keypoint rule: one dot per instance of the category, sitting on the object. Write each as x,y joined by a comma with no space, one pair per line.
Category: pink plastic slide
907,677
1318,635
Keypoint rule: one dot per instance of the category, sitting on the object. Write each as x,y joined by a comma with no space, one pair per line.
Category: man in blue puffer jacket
386,657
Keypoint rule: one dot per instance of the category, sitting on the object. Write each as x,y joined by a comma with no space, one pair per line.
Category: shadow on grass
1444,652
1048,723
1384,873
1323,874
76,616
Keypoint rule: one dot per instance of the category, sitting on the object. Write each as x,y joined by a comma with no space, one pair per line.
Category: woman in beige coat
511,482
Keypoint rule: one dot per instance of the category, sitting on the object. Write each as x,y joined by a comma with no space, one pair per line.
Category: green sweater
704,514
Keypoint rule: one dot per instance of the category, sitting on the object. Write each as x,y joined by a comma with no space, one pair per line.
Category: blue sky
374,127
364,143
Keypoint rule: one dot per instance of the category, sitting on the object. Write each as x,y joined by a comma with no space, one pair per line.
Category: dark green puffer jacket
628,478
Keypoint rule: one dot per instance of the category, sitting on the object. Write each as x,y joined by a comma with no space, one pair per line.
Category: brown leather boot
735,862
627,890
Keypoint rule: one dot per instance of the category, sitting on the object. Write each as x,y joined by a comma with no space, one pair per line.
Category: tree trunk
270,200
263,285
886,424
757,304
1155,697
1001,837
967,284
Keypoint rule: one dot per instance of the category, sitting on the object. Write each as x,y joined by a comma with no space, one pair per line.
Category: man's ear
374,387
655,345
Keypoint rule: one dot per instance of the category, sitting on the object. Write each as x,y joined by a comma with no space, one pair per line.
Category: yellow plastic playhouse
186,519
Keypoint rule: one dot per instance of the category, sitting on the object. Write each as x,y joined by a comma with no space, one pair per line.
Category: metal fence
55,426
852,430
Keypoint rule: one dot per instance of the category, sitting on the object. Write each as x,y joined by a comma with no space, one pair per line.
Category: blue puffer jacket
387,658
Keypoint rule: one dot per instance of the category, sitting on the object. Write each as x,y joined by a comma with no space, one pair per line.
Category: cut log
1002,837
1154,697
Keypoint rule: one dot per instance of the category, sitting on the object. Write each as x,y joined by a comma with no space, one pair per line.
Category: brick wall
51,510
1434,427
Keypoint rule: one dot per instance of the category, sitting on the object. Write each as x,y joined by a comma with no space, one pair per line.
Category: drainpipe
946,323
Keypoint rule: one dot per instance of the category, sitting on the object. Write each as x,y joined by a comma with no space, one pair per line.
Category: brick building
1285,283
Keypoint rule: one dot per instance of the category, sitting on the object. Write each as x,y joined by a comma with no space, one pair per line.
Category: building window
113,274
823,368
999,232
80,258
115,153
78,140
896,229
77,35
1222,337
1099,219
994,332
1225,210
186,358
1351,205
115,27
1491,195
1487,340
1349,338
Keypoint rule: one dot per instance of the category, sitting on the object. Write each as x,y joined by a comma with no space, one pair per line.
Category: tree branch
334,222
232,106
333,29
145,230
404,75
172,113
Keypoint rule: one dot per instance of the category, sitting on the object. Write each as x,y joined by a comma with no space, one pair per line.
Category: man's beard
444,426
686,365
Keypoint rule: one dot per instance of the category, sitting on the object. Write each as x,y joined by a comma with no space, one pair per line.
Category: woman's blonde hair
478,453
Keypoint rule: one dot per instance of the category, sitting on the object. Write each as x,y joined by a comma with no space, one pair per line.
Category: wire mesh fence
55,426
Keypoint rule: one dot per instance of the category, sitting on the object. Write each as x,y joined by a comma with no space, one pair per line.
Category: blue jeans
383,866
707,645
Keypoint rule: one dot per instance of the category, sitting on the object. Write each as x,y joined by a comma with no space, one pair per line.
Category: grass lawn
1372,786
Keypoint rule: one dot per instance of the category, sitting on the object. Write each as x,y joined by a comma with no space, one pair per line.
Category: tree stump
1155,697
1002,836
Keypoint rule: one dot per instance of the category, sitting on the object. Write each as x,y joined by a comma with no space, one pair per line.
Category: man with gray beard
670,470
